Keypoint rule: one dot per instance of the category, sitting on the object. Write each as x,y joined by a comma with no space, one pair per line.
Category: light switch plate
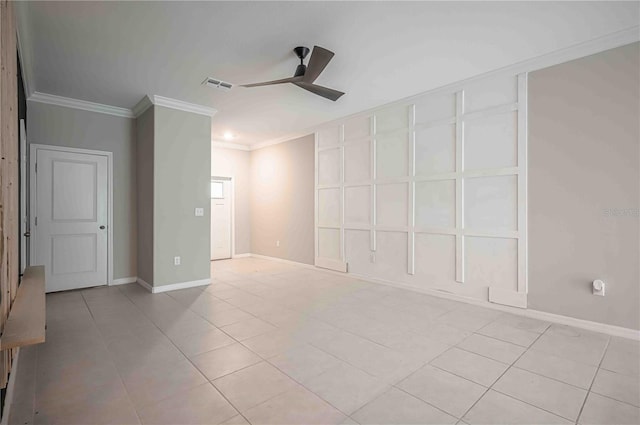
199,212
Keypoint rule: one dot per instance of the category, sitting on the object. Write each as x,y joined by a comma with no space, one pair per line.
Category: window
217,190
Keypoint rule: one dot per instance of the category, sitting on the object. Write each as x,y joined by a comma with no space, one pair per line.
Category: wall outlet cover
598,287
176,261
199,212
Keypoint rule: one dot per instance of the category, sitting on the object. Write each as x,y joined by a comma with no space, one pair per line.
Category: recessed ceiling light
227,135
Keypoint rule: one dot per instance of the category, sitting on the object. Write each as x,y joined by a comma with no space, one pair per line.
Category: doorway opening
222,226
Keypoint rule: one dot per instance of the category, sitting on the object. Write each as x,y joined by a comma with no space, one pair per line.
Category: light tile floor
272,343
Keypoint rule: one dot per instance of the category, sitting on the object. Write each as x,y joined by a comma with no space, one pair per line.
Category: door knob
102,227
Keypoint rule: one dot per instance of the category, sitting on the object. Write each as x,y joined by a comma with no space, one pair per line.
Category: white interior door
71,237
221,194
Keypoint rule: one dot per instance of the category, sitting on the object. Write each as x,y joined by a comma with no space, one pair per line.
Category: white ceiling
114,53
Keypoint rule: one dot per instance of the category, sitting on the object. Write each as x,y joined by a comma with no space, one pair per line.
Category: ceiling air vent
213,82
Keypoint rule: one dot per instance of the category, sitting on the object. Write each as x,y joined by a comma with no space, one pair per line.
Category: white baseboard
173,286
8,400
145,285
534,314
583,324
282,260
508,297
245,255
336,265
124,281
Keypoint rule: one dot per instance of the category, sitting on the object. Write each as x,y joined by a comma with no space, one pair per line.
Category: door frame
24,214
33,155
233,212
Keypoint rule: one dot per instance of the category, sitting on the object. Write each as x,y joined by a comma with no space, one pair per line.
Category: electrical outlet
598,287
199,212
278,243
176,261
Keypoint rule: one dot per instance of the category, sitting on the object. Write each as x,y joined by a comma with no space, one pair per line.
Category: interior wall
584,187
282,200
144,183
75,128
235,163
182,176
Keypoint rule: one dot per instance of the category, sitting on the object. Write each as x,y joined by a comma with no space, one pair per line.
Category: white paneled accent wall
430,193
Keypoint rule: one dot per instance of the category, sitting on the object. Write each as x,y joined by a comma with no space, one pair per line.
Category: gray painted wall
282,200
584,187
60,126
144,169
182,175
235,163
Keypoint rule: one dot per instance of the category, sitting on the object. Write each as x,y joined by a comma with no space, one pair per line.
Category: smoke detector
218,84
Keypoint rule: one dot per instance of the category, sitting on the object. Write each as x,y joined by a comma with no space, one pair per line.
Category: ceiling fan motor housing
302,53
300,70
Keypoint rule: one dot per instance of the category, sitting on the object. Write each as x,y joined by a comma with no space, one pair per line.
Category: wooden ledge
27,317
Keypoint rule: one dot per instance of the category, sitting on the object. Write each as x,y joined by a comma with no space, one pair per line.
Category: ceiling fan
305,75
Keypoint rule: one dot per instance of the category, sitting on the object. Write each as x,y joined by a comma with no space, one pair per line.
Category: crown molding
289,137
84,105
25,64
149,100
138,109
144,104
24,47
229,145
182,106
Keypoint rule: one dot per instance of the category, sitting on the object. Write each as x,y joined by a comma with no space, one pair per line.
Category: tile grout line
192,364
494,382
593,380
401,379
109,351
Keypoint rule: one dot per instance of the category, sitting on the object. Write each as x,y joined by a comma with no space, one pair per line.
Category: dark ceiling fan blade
326,92
320,57
270,83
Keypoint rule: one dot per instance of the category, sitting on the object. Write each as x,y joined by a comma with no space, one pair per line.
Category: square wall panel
357,162
491,203
329,207
435,107
392,155
491,92
435,257
357,250
329,136
435,203
392,204
394,118
357,127
491,262
435,150
357,208
391,255
491,142
329,166
329,243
